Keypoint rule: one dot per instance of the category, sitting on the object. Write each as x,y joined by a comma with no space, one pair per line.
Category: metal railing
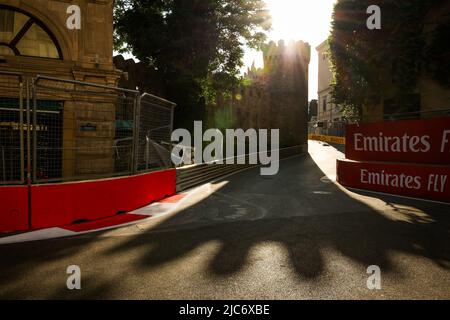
56,130
197,174
155,130
338,128
13,116
335,128
422,114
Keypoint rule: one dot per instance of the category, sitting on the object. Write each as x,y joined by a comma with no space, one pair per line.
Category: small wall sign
88,127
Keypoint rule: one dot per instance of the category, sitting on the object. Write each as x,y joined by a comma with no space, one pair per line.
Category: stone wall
87,55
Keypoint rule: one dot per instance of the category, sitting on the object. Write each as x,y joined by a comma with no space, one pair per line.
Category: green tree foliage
195,45
364,60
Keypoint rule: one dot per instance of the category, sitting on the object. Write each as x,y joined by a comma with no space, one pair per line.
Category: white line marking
151,211
54,233
44,234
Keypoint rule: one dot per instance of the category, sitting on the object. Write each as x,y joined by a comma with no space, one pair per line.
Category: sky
307,20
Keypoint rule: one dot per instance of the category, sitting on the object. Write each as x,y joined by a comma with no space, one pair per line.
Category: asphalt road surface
296,235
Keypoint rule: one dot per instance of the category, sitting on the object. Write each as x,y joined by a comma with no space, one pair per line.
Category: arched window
23,35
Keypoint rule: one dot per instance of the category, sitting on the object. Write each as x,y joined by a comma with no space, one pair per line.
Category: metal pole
11,157
34,128
3,165
95,85
172,117
29,153
147,151
22,151
137,113
159,99
28,133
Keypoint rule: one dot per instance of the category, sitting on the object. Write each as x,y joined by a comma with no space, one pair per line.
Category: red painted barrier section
412,180
62,204
413,141
13,208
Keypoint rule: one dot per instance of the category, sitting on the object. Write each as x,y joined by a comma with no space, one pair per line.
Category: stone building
272,97
313,110
328,112
36,38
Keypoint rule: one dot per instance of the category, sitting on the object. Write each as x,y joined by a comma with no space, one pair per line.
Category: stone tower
272,97
286,69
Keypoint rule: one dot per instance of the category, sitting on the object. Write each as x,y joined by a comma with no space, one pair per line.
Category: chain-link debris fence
56,130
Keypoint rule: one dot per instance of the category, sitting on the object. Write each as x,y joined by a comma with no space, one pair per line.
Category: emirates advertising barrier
410,180
408,158
413,141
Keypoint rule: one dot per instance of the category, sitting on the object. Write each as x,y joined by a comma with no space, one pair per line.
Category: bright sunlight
307,20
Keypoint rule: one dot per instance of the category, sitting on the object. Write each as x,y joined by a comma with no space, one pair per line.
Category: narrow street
296,235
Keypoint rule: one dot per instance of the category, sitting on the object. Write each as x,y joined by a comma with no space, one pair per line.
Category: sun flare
307,20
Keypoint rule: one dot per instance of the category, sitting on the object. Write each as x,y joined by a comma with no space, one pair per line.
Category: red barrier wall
413,180
414,141
13,208
62,204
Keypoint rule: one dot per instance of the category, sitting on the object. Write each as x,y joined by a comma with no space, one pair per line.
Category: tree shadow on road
341,222
309,217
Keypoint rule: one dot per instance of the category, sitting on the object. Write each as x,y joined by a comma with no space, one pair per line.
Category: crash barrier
67,203
329,139
51,205
60,139
411,180
194,175
406,157
14,213
58,130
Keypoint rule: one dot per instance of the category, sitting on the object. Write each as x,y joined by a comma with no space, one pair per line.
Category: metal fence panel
12,128
335,128
338,128
56,130
81,131
155,129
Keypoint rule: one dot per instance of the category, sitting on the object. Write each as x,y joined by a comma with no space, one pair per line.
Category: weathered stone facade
84,54
87,54
328,112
